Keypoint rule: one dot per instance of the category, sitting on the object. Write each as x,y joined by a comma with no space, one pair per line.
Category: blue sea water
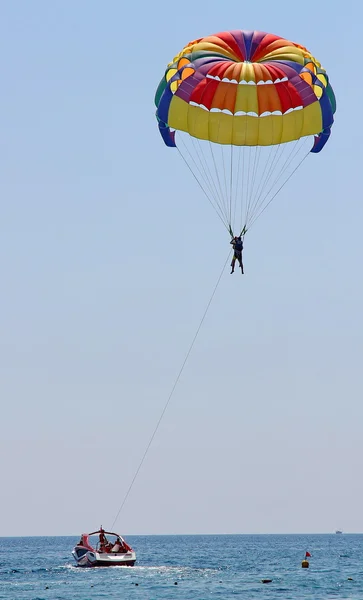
195,567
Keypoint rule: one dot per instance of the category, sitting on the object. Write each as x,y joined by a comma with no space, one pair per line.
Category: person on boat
116,547
119,546
237,245
102,537
105,545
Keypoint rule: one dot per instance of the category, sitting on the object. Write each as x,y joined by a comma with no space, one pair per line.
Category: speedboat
109,550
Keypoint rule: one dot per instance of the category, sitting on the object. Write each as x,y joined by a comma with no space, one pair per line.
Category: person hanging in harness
237,245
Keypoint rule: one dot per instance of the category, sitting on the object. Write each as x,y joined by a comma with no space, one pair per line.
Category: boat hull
98,559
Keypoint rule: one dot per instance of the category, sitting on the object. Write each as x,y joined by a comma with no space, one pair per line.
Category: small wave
173,568
41,570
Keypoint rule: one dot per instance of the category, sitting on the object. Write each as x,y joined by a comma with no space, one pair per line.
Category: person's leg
240,261
233,263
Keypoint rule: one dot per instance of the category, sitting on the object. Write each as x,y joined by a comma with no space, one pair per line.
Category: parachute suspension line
212,184
299,144
263,175
260,199
215,150
172,391
255,171
242,189
201,168
207,173
208,178
279,190
255,168
236,195
280,160
252,202
269,167
240,185
248,176
221,195
288,158
238,181
200,185
239,188
258,202
192,159
288,162
224,195
244,212
225,180
231,189
232,181
270,164
244,196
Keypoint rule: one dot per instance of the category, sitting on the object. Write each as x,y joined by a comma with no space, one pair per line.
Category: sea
188,567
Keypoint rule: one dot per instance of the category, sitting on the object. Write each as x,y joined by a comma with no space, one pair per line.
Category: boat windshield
106,542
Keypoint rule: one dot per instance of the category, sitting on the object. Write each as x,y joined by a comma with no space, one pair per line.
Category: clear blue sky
109,254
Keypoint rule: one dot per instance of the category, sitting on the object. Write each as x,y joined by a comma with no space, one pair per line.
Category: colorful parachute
245,105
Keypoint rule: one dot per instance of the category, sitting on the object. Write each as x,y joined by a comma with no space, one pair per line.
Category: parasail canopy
245,105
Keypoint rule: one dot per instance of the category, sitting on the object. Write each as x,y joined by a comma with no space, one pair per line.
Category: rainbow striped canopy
244,89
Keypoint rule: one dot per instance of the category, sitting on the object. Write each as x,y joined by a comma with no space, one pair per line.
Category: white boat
109,550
